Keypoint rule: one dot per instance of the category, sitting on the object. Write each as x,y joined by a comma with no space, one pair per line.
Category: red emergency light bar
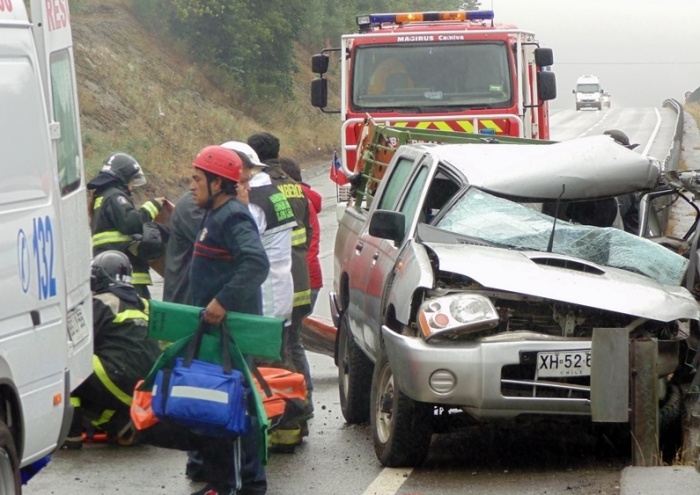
367,20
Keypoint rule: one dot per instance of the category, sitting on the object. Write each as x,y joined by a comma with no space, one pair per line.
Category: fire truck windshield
420,77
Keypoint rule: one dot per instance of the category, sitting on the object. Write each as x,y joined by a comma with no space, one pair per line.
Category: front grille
518,380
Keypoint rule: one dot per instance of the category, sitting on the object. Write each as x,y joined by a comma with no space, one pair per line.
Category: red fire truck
454,71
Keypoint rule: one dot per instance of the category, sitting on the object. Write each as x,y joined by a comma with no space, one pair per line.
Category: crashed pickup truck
467,284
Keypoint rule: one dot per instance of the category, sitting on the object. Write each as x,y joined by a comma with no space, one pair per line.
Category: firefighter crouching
117,224
123,353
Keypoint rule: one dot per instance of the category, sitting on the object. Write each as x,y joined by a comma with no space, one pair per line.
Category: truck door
382,253
52,30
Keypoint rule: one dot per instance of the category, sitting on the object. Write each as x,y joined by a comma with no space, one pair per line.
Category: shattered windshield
517,226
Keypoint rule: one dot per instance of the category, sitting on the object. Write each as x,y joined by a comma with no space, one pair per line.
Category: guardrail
670,162
673,158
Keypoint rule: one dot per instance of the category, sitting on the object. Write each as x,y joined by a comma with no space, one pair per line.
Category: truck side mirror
544,57
387,224
319,93
319,63
573,91
546,86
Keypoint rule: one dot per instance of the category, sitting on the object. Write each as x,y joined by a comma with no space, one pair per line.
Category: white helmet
244,148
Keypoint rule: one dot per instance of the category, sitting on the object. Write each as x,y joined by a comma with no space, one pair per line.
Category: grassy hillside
138,95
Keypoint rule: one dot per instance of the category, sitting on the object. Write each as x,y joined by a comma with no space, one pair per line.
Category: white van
46,310
589,93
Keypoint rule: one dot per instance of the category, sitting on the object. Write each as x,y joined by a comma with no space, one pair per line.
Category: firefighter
117,224
267,146
291,168
389,76
123,353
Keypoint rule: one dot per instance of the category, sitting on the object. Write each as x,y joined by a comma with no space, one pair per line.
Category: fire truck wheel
9,463
354,376
401,427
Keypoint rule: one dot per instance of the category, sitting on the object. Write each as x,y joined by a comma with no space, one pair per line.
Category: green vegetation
253,42
161,79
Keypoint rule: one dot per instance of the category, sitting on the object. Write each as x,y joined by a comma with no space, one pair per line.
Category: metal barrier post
644,402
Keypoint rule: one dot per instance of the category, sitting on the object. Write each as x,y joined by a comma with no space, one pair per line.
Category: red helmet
219,161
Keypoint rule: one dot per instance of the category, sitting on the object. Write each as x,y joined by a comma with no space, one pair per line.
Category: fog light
442,381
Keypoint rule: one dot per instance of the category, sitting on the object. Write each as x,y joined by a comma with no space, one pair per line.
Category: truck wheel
9,464
401,427
578,107
354,376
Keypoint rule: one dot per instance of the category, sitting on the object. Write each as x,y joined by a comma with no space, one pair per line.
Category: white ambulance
45,309
589,93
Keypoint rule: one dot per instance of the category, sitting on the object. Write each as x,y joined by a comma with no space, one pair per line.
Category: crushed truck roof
589,167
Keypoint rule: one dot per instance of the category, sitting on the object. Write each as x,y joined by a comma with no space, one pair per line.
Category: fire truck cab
453,71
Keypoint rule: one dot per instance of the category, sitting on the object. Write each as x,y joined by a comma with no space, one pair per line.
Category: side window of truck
441,190
396,184
410,203
68,151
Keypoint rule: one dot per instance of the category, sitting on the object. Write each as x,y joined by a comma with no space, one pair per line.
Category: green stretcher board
255,335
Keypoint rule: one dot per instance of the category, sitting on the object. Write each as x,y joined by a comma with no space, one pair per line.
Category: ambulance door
51,25
32,311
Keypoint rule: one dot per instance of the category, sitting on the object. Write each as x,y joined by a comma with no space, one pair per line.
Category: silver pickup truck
493,282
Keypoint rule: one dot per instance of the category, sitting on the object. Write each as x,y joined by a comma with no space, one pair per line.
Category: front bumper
477,369
496,378
589,104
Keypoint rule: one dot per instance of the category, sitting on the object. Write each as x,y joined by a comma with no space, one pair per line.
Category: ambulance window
26,172
64,110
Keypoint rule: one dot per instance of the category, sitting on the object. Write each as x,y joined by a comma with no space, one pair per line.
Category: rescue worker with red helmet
123,353
228,267
117,224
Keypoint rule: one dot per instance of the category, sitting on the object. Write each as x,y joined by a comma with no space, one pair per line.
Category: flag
337,174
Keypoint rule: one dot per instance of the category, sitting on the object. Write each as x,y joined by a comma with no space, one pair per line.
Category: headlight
456,315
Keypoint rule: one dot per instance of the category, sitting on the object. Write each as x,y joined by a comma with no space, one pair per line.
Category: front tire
354,376
401,427
9,464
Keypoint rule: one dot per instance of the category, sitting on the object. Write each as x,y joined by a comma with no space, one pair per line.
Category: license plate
564,363
77,327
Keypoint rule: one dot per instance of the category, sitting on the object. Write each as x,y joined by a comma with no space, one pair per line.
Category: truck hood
567,279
